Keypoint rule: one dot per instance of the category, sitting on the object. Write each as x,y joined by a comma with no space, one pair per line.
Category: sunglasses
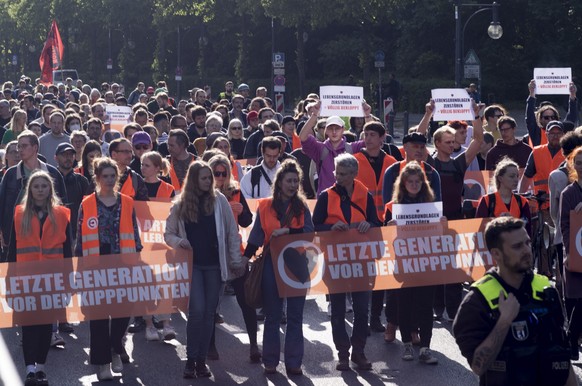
219,174
141,147
549,117
236,128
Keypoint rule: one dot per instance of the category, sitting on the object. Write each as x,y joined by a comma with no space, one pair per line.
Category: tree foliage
324,41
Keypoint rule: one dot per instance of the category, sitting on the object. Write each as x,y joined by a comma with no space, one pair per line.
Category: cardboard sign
344,101
425,213
382,258
89,288
574,260
452,104
117,116
553,81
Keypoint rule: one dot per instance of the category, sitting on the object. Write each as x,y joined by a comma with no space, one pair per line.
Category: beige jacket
232,264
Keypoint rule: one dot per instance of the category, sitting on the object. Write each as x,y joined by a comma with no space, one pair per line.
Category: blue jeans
273,307
204,295
341,339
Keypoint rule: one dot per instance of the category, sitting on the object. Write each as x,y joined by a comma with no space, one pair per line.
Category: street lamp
495,31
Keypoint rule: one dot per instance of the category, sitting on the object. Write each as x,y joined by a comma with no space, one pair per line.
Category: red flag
51,57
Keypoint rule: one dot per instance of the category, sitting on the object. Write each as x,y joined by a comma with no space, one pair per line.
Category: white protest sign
345,101
554,81
452,104
117,116
409,214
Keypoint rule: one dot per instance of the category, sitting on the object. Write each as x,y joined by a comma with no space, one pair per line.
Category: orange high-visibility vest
33,247
174,177
234,170
543,138
296,142
90,226
334,210
128,189
388,208
367,176
500,206
545,164
269,220
164,190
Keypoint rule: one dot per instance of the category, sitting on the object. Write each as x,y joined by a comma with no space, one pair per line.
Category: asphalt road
162,363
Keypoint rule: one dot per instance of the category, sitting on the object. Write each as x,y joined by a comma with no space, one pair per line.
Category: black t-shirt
153,189
452,175
203,239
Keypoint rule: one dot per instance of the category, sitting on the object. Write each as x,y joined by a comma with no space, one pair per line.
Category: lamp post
495,31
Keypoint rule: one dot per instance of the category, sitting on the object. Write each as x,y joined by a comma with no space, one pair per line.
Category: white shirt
263,188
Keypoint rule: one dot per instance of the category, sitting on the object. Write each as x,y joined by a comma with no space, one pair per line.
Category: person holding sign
414,303
285,212
107,225
41,231
571,200
347,205
537,120
201,220
510,326
504,202
323,153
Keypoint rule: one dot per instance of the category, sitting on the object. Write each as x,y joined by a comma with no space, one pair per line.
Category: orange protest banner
382,258
151,218
89,288
574,260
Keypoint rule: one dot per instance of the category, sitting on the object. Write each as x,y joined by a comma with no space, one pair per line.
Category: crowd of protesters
63,163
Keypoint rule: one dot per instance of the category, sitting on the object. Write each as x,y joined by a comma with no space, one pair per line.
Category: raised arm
307,129
477,140
425,121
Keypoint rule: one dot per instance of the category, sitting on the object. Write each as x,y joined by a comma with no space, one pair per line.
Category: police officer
510,325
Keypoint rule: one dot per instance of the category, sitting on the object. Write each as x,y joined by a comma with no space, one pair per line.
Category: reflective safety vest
358,206
269,220
174,177
543,138
296,142
33,247
127,188
90,226
489,287
545,164
367,176
536,348
164,190
496,205
234,170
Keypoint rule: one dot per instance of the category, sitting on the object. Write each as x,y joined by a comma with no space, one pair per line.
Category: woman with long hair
152,166
201,220
16,126
41,231
504,202
11,156
285,212
571,200
223,144
220,166
414,303
236,137
116,233
91,151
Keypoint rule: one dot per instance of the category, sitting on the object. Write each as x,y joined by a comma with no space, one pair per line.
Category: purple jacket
325,167
570,197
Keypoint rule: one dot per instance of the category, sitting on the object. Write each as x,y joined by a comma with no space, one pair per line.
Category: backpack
491,207
256,173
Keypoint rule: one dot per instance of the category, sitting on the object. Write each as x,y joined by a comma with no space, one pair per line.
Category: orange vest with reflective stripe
269,220
388,208
545,164
367,176
90,226
165,190
500,206
33,247
174,177
334,210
